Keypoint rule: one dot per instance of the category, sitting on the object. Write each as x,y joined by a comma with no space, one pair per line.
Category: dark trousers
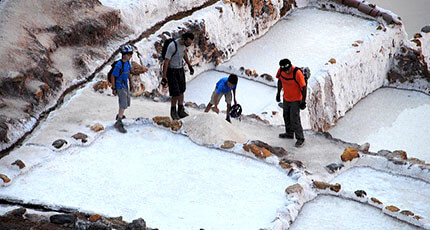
292,119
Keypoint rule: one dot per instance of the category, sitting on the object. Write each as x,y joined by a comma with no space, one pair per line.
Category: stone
285,165
255,150
321,185
164,121
254,73
95,218
336,187
266,76
295,188
62,219
360,193
417,35
175,125
278,151
333,167
5,178
101,85
416,217
392,208
364,147
416,161
246,148
265,153
332,61
97,127
379,27
400,154
81,136
59,143
138,224
137,69
202,106
248,72
19,163
426,29
19,212
355,45
375,200
407,213
228,144
349,154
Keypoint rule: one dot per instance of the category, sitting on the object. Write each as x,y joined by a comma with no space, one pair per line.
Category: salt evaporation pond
328,213
308,37
389,119
403,192
253,96
162,177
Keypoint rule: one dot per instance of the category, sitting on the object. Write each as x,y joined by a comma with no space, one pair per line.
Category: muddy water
414,13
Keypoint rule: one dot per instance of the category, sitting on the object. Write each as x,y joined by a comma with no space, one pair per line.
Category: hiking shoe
228,119
299,143
173,113
181,112
120,126
286,135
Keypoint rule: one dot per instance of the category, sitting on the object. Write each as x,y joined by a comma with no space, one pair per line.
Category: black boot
181,111
120,126
173,113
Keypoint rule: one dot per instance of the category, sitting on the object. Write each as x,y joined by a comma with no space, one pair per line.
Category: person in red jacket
294,85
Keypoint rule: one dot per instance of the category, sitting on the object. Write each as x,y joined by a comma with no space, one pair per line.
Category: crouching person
120,81
223,88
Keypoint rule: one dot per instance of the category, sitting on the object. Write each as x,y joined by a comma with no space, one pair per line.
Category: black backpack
166,45
109,75
305,71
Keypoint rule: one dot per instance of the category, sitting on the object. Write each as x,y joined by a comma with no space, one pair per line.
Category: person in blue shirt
121,79
223,88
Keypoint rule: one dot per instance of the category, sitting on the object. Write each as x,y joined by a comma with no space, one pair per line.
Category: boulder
416,161
392,208
265,153
321,185
333,167
19,163
138,224
164,121
426,29
175,125
400,154
59,143
349,154
360,193
81,136
364,147
95,218
266,76
137,69
407,213
335,187
62,219
285,165
101,85
19,212
5,178
416,217
97,127
295,188
375,200
332,61
228,144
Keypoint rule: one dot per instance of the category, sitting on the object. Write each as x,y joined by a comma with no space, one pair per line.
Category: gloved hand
191,70
278,97
163,82
302,105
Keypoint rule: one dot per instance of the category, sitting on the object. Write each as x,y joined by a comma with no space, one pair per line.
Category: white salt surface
162,177
253,96
389,119
308,37
328,213
403,192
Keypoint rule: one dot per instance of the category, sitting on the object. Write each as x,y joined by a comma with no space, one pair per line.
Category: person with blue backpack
224,87
120,78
